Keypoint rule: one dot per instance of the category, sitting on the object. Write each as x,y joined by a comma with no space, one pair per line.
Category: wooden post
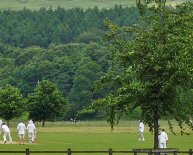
175,152
135,152
27,152
149,152
69,152
110,152
190,152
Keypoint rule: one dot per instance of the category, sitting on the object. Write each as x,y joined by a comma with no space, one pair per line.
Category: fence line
109,152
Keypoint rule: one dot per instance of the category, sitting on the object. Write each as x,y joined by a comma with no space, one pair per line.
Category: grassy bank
37,4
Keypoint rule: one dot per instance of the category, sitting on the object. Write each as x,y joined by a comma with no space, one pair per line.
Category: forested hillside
63,46
41,28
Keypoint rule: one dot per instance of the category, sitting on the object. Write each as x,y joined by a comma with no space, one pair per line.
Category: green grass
37,4
95,136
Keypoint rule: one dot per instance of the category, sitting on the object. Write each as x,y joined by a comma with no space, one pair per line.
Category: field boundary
109,152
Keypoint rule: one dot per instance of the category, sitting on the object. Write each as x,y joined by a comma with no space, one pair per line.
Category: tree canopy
12,103
152,70
52,45
27,28
46,103
150,57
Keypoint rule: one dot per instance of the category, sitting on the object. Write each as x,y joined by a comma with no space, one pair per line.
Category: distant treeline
72,67
62,46
40,28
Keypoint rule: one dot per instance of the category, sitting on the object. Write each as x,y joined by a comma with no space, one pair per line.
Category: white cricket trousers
9,136
31,136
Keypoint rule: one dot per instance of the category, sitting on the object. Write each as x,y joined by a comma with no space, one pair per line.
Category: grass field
37,4
95,136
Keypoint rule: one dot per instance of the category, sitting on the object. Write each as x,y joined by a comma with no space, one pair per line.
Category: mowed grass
95,136
67,4
37,4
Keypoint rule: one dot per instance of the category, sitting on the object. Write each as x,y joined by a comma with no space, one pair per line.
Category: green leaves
12,103
46,103
152,66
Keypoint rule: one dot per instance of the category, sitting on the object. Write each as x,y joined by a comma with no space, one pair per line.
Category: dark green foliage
72,67
88,114
12,103
41,28
87,72
46,103
154,69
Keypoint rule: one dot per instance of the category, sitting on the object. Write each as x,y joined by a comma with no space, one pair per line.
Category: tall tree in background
153,69
46,103
81,94
12,103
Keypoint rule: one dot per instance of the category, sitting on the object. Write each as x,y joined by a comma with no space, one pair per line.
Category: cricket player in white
6,131
163,138
21,132
31,129
141,130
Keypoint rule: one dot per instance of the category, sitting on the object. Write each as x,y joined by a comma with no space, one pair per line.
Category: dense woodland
65,47
41,28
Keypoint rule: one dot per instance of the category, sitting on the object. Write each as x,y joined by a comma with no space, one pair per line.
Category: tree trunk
156,128
43,124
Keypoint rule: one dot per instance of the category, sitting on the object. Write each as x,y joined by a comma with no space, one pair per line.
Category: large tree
81,92
46,103
151,65
12,103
